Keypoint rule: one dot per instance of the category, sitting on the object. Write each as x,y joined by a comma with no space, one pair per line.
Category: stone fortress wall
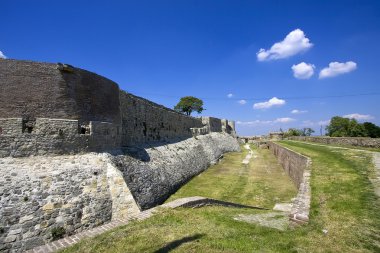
49,109
52,116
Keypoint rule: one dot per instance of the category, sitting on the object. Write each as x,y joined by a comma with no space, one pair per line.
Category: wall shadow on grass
174,244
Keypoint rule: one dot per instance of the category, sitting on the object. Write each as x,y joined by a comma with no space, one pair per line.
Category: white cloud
254,123
284,120
2,56
337,68
264,122
242,102
268,104
294,43
358,116
230,95
295,111
303,70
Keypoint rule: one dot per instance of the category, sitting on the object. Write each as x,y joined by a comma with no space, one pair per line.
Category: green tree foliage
298,132
189,104
372,130
344,127
307,131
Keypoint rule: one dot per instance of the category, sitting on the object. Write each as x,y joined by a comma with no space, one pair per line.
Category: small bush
57,233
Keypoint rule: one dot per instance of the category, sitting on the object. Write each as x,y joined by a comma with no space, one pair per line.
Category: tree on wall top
189,104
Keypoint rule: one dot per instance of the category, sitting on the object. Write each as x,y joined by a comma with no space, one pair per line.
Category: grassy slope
343,202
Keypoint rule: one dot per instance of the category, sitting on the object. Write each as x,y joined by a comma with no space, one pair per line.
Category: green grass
348,146
343,202
251,184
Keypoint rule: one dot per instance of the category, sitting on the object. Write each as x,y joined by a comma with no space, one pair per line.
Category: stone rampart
144,121
214,124
53,115
73,193
162,170
298,167
59,109
344,141
55,136
32,90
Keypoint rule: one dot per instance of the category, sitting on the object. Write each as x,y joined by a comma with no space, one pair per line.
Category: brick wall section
344,141
144,122
33,89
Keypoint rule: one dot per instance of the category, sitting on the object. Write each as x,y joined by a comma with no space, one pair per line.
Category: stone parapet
298,167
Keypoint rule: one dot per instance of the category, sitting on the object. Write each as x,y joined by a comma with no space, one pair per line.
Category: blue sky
163,50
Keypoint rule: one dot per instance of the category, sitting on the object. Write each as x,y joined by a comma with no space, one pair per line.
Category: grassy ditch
344,213
262,182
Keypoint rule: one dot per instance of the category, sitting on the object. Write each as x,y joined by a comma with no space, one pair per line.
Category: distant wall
214,124
144,121
40,90
344,141
298,168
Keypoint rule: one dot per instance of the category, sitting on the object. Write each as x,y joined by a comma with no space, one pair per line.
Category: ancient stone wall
32,90
344,141
144,121
49,109
155,173
298,167
72,193
55,136
76,192
214,124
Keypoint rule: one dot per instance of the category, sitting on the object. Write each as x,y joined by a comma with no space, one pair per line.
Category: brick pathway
183,202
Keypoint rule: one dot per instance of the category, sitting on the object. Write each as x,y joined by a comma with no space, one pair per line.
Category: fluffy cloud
2,56
358,116
294,43
230,95
284,120
337,68
303,70
242,102
270,103
265,122
295,111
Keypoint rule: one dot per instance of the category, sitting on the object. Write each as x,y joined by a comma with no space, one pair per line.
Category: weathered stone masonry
52,116
298,167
